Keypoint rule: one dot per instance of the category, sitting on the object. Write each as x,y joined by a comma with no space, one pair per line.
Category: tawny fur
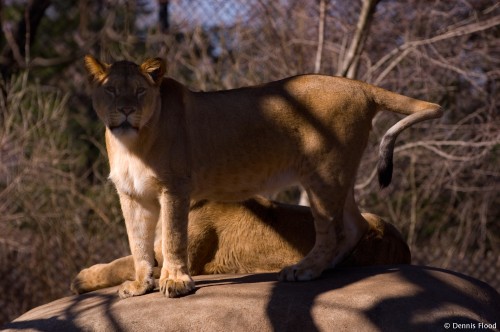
168,146
257,235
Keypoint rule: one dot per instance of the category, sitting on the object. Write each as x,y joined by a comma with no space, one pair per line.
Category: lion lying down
257,235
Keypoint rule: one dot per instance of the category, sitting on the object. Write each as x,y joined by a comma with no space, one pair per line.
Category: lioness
168,145
257,235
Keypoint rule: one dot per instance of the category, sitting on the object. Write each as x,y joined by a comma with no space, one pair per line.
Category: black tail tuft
384,168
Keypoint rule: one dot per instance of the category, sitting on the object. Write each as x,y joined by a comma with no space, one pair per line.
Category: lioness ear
95,68
155,69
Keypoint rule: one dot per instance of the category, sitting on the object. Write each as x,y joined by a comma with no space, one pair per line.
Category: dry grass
52,220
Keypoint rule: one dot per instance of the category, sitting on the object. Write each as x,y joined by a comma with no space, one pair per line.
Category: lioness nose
126,110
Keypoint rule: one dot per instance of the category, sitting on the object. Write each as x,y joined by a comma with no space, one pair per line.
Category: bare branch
441,153
321,35
351,59
408,46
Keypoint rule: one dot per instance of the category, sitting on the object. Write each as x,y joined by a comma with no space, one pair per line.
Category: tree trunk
18,42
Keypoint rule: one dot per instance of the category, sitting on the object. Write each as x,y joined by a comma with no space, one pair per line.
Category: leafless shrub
48,212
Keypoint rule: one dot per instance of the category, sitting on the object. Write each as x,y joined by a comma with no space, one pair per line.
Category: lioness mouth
125,125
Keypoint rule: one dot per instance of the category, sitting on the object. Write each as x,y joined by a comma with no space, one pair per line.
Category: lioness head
125,95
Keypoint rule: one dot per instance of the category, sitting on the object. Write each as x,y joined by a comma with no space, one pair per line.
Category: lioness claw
175,288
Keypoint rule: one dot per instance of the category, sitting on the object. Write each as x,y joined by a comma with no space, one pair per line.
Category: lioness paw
175,287
135,288
299,272
79,286
87,280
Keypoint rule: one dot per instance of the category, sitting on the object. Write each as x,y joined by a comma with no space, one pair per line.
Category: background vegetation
58,212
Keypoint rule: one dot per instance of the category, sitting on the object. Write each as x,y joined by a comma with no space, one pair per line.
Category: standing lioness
168,145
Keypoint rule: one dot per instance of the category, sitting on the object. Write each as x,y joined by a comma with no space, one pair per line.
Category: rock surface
383,298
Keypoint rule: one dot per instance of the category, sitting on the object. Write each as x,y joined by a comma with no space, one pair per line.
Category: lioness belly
239,186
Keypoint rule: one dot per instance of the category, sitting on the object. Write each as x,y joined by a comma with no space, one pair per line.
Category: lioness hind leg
354,227
327,206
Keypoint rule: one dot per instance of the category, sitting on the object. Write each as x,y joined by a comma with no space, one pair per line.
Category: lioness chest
132,177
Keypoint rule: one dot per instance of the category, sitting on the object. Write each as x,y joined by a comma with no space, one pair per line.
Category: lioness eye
140,91
110,89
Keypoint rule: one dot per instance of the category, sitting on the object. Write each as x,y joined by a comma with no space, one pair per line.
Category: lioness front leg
175,279
140,218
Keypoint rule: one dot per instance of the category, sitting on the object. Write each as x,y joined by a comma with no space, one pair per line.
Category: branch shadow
290,304
423,311
420,299
433,297
66,320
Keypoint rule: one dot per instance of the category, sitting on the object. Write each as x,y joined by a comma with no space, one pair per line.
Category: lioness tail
417,111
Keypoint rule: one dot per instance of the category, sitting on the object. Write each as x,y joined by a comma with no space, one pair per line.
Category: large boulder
383,298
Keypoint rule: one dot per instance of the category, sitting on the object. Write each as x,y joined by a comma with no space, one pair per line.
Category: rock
378,298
